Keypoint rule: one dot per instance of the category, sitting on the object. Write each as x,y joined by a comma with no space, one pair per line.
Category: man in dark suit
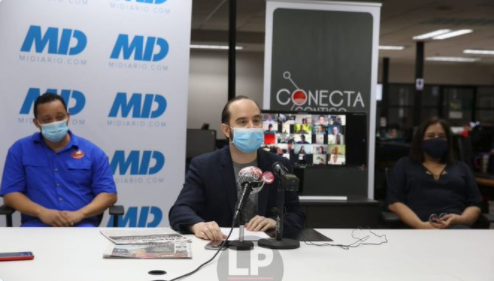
210,192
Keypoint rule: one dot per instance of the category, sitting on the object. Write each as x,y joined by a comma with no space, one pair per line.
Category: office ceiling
400,21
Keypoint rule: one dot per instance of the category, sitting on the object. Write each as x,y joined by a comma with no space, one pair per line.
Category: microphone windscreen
249,174
252,175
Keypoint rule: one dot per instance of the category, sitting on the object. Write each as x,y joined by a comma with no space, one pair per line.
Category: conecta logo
318,99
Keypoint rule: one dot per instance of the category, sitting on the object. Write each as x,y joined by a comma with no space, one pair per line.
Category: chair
200,141
116,211
7,211
464,150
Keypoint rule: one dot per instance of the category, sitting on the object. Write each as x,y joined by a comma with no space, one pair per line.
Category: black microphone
279,169
289,182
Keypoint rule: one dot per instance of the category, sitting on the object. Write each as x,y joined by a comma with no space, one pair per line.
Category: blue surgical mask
54,131
436,148
247,139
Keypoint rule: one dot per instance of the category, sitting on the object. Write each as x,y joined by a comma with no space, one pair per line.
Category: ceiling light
479,52
396,48
452,34
431,34
452,59
214,47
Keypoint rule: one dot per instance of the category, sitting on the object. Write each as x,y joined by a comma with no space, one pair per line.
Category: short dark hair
46,98
416,152
225,114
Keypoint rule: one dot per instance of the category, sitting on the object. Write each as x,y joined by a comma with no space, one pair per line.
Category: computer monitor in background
324,148
199,141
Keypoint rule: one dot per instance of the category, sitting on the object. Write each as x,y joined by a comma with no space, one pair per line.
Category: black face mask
436,148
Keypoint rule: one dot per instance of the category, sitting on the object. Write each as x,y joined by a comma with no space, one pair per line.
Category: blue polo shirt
66,180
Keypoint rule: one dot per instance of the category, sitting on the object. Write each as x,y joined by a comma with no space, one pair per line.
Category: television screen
313,139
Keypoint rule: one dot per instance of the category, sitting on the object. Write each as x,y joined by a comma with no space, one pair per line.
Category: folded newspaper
142,236
167,250
146,244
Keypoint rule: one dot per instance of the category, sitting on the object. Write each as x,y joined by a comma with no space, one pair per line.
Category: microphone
252,175
289,182
279,169
251,180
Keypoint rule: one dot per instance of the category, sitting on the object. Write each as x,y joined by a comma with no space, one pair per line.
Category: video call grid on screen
317,138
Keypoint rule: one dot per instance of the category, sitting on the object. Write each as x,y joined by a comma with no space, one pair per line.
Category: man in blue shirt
55,178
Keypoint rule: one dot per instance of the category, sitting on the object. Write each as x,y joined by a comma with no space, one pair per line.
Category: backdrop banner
122,67
322,56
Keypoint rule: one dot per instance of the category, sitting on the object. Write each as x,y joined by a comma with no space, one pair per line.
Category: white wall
208,84
208,81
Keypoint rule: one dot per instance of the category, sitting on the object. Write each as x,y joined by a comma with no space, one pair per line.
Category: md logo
60,42
141,48
156,2
149,216
140,106
139,162
78,98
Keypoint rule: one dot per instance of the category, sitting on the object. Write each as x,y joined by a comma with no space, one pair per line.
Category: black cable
208,261
214,256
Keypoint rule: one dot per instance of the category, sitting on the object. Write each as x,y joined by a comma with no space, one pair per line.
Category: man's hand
207,230
53,218
73,217
260,223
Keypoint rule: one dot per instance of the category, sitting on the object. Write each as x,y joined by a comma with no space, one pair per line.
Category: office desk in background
323,212
75,254
485,181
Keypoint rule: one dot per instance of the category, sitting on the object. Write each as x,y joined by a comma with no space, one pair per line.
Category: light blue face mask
54,131
247,139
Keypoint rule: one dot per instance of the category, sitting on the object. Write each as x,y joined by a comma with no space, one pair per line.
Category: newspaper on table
142,236
166,250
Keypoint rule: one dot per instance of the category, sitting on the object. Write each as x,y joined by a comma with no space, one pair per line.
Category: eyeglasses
435,217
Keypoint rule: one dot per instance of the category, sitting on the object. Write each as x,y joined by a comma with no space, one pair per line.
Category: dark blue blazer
210,194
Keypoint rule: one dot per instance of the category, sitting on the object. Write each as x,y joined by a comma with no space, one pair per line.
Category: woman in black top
430,188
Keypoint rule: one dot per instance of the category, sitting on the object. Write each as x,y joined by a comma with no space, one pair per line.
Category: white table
72,254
